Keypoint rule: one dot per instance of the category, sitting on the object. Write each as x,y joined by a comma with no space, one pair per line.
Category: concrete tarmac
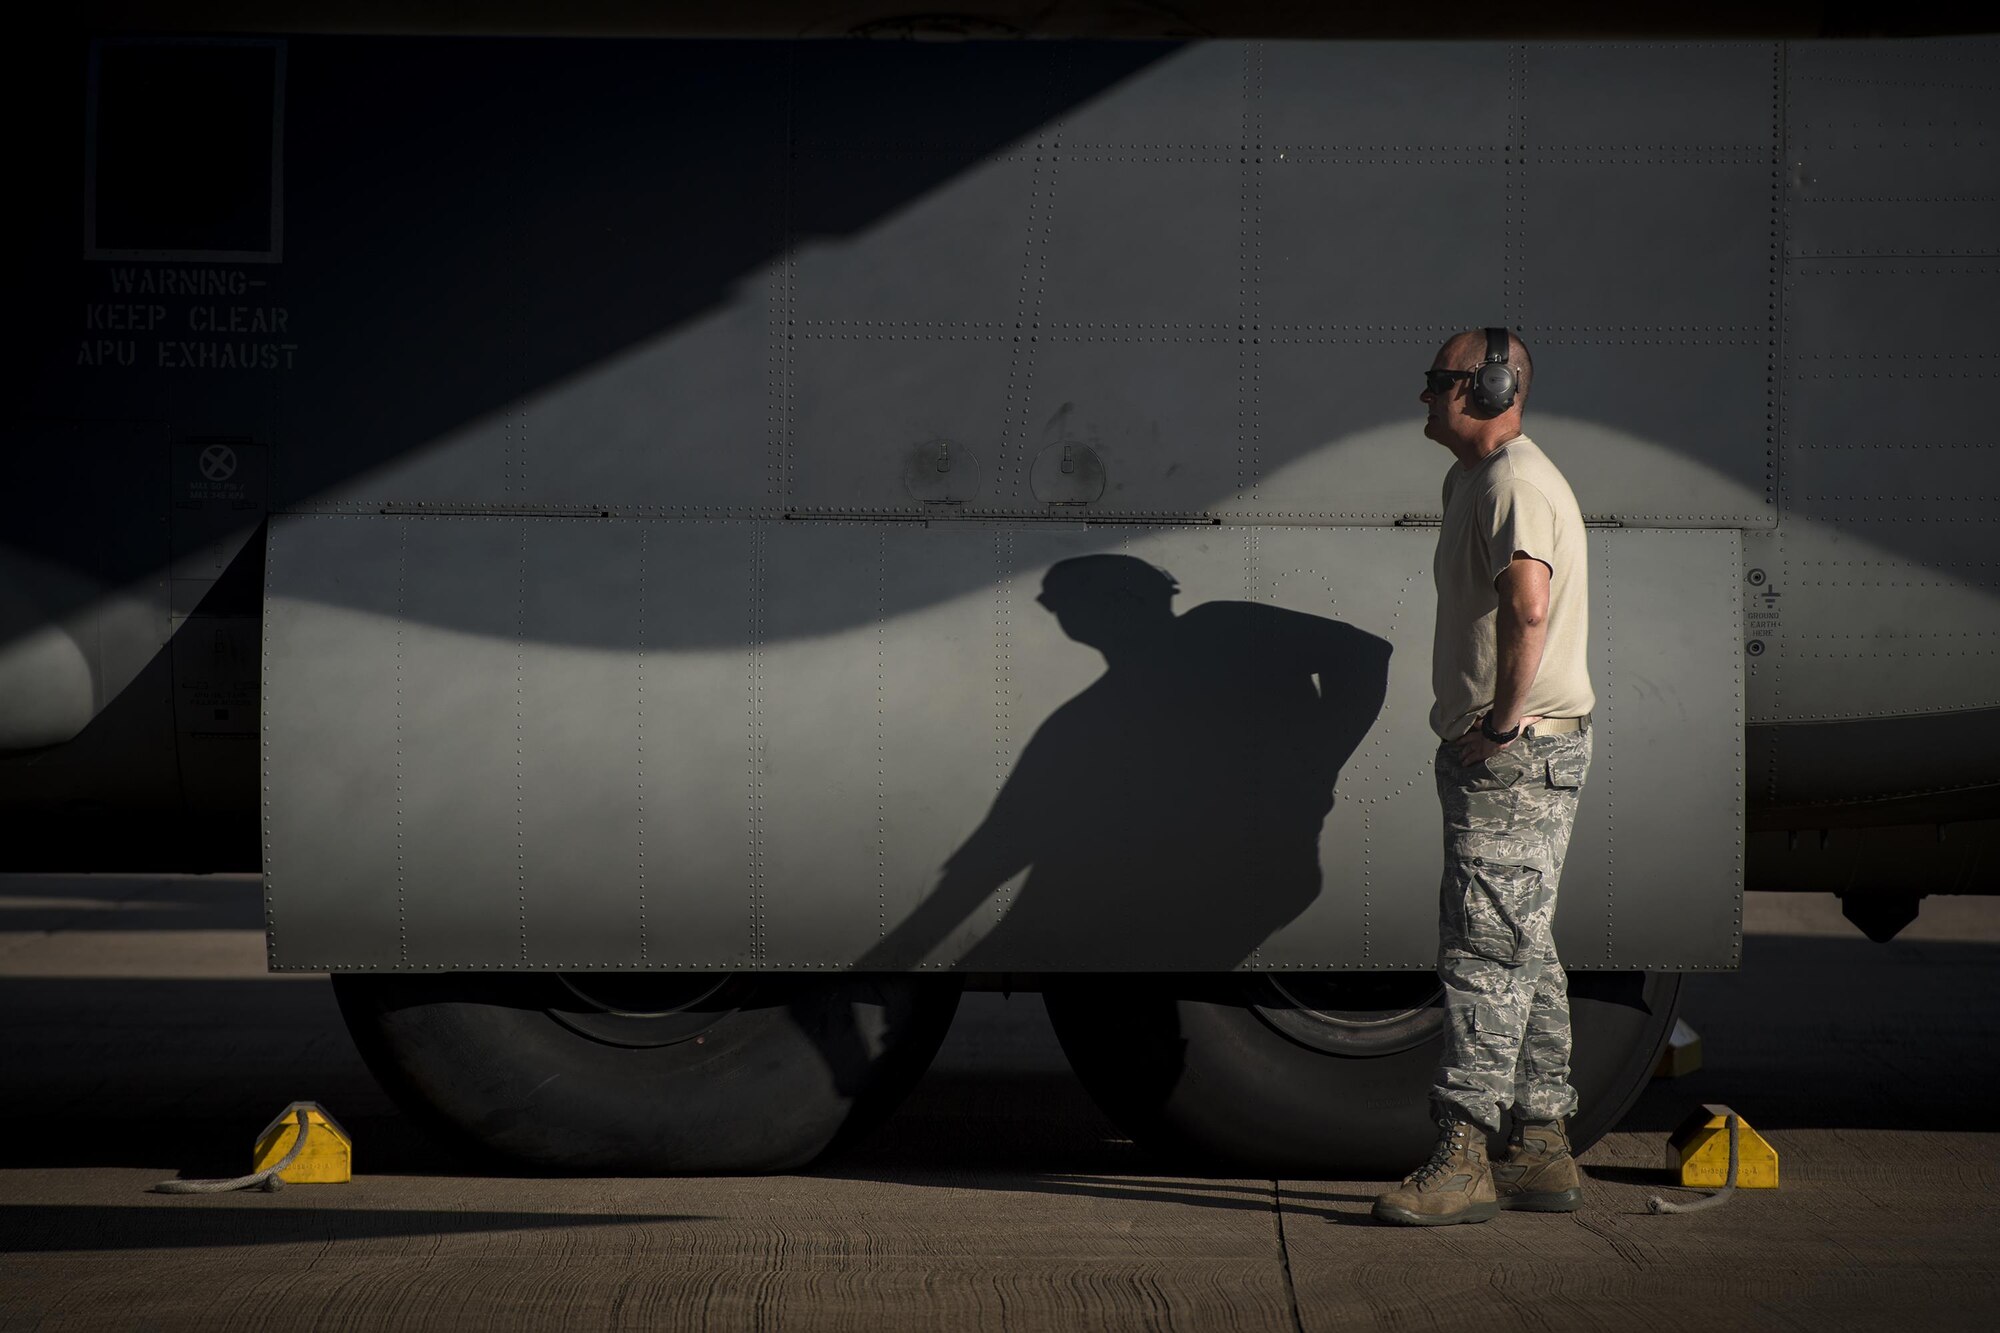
141,1039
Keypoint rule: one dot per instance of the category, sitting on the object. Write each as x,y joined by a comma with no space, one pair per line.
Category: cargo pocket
1506,905
1566,770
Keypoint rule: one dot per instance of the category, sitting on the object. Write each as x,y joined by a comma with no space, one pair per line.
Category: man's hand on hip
1474,748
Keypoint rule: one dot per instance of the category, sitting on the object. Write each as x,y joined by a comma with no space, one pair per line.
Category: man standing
1513,710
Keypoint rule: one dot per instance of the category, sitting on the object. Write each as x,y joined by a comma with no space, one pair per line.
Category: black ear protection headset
1493,385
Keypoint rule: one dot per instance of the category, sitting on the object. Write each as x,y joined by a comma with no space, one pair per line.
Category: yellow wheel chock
304,1145
329,1153
1698,1153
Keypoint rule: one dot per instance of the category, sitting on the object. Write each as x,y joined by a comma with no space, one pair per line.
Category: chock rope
1656,1205
267,1180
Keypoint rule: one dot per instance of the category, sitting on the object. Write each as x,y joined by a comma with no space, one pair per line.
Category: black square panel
183,143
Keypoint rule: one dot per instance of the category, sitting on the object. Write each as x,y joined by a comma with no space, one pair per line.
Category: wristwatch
1497,737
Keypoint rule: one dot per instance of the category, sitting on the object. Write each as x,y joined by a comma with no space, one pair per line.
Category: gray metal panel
469,793
1113,773
491,743
1384,96
1349,241
1379,848
1941,485
334,889
937,220
862,400
1859,626
1679,96
1665,845
699,631
879,747
1933,81
1637,243
818,866
608,339
1702,454
580,738
956,255
941,669
1945,761
1877,597
1141,237
1155,409
1196,97
1859,186
1863,400
1041,668
1336,434
1841,315
681,419
1763,617
458,831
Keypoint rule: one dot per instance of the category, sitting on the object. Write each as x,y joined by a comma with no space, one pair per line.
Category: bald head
1467,350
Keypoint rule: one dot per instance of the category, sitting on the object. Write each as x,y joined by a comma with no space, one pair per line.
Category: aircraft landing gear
649,1073
1310,1074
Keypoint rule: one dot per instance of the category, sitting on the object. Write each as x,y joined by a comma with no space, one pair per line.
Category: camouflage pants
1506,828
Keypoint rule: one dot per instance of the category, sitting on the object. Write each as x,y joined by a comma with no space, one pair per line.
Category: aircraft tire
649,1073
1228,1072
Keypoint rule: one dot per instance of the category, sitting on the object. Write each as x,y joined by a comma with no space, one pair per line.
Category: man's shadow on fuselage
1169,815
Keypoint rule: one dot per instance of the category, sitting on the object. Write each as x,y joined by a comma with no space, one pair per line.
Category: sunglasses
1439,381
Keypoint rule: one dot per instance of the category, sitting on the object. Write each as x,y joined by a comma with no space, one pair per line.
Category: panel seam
1514,203
1003,633
1610,769
756,741
520,750
881,772
264,746
639,743
402,575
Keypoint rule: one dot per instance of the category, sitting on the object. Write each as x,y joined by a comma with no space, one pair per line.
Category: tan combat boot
1456,1185
1539,1175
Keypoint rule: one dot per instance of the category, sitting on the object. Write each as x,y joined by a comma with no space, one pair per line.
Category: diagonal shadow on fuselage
1168,816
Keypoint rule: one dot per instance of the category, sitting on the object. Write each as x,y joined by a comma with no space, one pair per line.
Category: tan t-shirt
1515,500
